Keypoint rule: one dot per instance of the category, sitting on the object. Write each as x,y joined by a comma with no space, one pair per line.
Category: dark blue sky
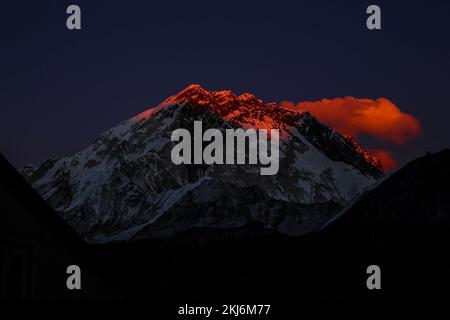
59,89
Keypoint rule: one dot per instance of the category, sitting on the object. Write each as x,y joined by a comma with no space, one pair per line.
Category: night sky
60,89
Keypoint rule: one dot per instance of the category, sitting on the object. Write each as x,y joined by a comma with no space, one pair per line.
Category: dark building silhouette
37,246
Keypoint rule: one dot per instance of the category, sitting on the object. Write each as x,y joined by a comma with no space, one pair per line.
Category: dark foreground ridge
37,246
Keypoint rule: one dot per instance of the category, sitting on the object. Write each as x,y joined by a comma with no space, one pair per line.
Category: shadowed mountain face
125,185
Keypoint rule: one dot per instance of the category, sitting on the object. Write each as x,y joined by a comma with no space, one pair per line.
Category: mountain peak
248,97
196,94
193,88
247,111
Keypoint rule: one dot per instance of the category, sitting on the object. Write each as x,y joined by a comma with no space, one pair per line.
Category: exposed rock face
125,186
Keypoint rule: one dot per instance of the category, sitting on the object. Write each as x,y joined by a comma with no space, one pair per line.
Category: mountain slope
124,186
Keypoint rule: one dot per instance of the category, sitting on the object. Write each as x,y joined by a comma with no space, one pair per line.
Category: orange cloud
387,160
378,118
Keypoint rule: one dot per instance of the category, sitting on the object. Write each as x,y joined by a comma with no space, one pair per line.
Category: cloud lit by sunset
387,160
378,118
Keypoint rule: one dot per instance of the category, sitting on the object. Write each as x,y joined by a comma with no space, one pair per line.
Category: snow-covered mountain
124,186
